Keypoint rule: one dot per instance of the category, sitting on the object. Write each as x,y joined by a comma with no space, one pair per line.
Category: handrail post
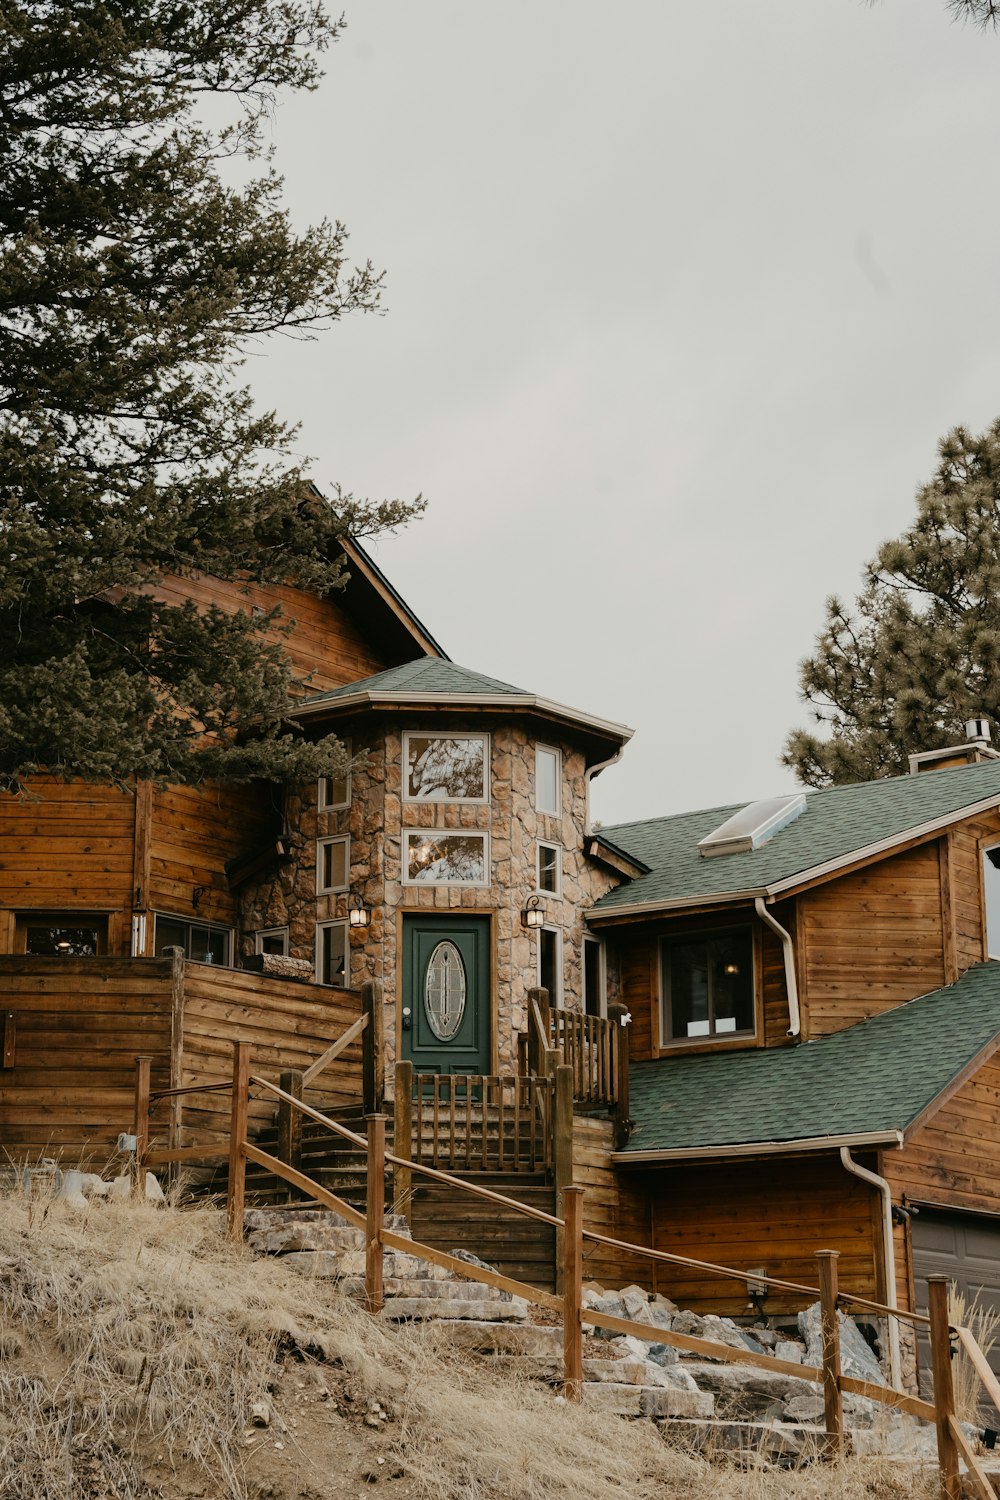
375,1212
237,1184
619,1064
402,1179
140,1124
572,1280
833,1402
373,1048
562,1147
289,1147
944,1393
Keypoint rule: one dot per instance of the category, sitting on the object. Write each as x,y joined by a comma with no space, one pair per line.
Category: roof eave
502,702
870,1138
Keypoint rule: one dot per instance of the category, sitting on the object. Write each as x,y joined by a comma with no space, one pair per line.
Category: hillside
138,1350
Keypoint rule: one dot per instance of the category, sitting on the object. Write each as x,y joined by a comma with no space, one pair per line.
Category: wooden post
572,1281
402,1179
619,1084
289,1148
538,1045
178,1103
561,1075
237,1185
944,1394
140,1124
373,1048
375,1214
833,1403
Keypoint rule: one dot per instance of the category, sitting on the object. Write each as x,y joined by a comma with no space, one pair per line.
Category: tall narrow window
991,900
594,988
332,950
549,967
332,865
335,791
272,940
547,778
549,869
707,983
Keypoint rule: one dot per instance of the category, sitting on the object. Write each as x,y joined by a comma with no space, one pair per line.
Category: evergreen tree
920,652
133,276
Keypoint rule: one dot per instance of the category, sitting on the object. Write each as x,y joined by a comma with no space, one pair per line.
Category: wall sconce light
359,914
532,915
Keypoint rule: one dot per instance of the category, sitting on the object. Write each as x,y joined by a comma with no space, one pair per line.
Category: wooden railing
477,1122
595,1048
953,1444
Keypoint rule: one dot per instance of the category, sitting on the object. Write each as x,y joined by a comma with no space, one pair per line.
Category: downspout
850,1165
791,987
590,773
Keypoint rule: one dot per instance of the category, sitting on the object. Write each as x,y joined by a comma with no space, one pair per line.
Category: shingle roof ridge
408,674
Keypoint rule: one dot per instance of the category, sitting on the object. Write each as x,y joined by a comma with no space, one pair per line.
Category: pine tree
133,276
920,652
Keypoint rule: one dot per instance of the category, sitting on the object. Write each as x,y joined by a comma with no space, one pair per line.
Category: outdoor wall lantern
358,912
532,915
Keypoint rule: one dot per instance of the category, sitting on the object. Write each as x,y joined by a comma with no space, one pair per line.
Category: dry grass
132,1334
984,1324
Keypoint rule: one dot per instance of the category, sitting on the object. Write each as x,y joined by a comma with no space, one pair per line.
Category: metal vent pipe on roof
788,953
978,729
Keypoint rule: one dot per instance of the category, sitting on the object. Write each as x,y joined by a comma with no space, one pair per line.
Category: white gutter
791,987
602,765
850,1165
759,1148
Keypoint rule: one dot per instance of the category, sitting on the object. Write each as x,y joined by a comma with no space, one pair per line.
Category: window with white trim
548,776
333,954
549,962
991,900
435,857
272,940
333,864
446,767
595,989
335,791
201,941
548,871
707,986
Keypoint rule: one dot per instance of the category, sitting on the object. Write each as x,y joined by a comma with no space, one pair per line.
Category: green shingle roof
878,1076
837,822
428,674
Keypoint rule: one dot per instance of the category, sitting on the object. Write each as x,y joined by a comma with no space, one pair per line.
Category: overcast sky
680,299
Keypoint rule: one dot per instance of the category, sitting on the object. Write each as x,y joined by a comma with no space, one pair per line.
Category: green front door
446,993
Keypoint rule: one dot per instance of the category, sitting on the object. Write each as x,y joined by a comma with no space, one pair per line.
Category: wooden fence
952,1443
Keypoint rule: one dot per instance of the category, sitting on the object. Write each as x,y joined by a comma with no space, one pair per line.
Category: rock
636,1303
802,1408
70,1191
260,1414
473,1260
765,1336
725,1331
121,1187
663,1354
612,1304
788,1350
856,1358
689,1323
746,1393
154,1193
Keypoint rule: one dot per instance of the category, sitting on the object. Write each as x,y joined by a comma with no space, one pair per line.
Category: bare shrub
984,1324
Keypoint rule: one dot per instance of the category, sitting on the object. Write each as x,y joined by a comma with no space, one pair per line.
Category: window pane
170,934
547,780
732,982
991,901
548,868
450,859
333,865
592,987
208,945
273,942
64,942
334,791
687,965
440,768
548,962
333,954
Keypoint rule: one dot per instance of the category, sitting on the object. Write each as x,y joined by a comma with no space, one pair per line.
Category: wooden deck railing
595,1048
478,1122
953,1444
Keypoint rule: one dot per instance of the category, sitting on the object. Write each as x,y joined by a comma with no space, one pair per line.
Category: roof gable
880,1078
839,823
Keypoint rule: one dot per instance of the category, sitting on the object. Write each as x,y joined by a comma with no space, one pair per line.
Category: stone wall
377,820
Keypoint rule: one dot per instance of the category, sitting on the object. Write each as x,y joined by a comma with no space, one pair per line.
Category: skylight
752,826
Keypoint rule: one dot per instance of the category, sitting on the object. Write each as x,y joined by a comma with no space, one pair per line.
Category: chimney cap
978,729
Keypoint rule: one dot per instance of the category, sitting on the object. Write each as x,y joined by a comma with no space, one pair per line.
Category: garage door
966,1249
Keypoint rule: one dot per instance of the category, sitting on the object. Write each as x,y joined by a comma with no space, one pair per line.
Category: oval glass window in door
444,991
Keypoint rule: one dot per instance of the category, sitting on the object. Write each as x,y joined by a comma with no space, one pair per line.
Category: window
445,767
61,934
707,985
548,767
753,826
335,791
332,950
272,940
432,858
549,968
991,900
594,988
549,873
203,943
332,865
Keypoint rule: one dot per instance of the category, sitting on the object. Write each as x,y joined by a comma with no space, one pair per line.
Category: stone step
646,1401
489,1308
782,1443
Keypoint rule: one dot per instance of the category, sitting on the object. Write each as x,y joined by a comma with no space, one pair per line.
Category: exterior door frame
442,913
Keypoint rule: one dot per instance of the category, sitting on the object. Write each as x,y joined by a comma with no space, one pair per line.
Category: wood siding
80,1024
954,1159
612,1205
325,647
66,847
871,940
287,1024
194,832
772,1216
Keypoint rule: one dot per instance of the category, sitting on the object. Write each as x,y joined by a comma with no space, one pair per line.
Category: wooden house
812,1010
